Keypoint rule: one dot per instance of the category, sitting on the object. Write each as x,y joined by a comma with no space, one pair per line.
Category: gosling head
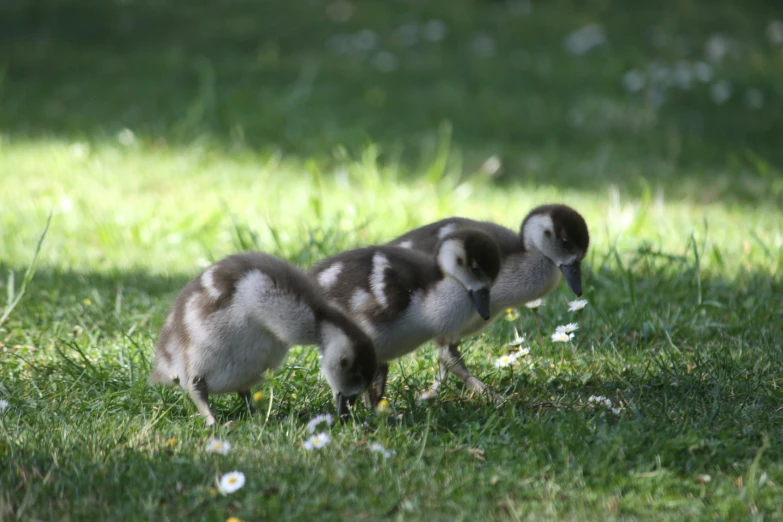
560,233
472,258
348,360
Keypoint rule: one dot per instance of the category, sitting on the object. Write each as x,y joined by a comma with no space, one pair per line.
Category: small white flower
427,395
3,405
317,441
567,328
79,150
562,337
378,448
434,31
365,40
484,45
517,342
775,32
126,137
221,447
717,47
634,81
682,75
703,71
520,353
599,399
576,304
720,92
340,11
535,303
584,39
384,61
319,419
231,482
504,361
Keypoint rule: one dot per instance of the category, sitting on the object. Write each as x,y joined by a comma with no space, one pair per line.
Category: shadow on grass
696,384
265,76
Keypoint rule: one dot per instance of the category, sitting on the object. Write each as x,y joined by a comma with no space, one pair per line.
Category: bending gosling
552,240
240,317
403,298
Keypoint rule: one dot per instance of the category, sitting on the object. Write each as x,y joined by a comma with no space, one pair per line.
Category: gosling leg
450,360
198,392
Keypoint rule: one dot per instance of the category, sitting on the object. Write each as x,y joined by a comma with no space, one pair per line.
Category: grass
162,137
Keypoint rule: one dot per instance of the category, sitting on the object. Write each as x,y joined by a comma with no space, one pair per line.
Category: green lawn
164,135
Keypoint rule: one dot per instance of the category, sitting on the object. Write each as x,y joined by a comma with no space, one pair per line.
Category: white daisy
576,304
378,448
231,482
504,361
516,342
535,303
562,337
720,92
427,395
512,314
3,405
319,419
599,399
221,447
317,441
634,80
520,353
567,328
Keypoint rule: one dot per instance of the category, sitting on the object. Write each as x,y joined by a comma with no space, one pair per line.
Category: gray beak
480,300
343,403
573,276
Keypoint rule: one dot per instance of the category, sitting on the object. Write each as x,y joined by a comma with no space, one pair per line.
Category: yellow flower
87,301
212,492
512,314
258,396
384,407
233,519
171,443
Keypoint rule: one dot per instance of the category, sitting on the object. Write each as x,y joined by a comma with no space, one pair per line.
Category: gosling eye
564,240
475,268
460,261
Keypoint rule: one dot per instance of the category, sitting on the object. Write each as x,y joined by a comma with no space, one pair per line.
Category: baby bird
239,318
552,240
403,298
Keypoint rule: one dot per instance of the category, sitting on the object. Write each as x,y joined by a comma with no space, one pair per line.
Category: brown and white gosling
403,298
552,240
239,318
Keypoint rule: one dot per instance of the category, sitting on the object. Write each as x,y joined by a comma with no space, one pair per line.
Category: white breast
440,312
522,278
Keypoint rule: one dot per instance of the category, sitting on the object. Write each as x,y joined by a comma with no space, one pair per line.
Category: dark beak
480,300
573,276
343,404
